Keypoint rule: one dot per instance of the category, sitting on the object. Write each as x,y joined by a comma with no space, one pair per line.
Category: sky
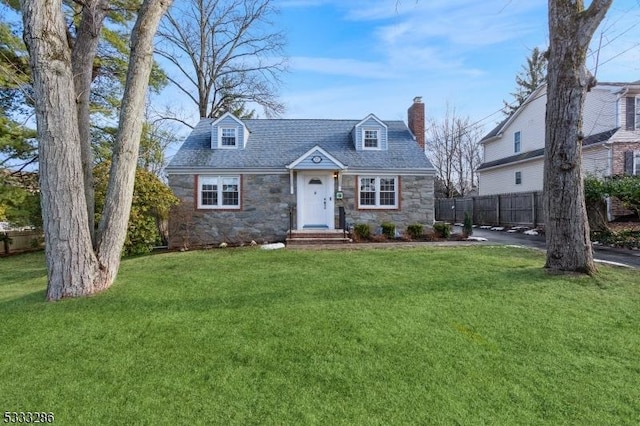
350,58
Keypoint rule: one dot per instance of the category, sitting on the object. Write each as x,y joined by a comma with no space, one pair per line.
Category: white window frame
637,114
636,163
518,178
219,182
221,136
517,142
364,138
377,192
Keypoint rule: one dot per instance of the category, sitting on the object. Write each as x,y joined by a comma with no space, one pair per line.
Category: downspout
609,147
291,181
621,95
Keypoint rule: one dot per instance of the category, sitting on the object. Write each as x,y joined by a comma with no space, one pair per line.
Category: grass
475,335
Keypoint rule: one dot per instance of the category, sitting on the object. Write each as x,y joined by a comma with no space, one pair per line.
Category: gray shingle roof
275,143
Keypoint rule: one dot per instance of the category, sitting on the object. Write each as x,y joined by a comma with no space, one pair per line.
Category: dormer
370,134
228,132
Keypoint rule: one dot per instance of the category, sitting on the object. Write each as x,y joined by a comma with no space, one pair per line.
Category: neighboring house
257,179
514,150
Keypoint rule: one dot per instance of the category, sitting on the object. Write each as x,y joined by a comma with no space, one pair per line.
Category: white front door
315,200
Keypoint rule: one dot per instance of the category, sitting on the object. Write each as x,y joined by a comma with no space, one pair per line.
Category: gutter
284,171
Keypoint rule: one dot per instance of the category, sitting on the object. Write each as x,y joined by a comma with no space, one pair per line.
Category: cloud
465,51
342,66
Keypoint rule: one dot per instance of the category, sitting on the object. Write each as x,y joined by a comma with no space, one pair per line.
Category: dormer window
228,137
371,139
370,134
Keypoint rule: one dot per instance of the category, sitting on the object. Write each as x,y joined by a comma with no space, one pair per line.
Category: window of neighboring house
518,178
378,192
371,138
516,142
228,137
636,163
637,114
219,192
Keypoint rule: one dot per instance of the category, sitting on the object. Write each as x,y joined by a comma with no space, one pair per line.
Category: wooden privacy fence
523,208
19,241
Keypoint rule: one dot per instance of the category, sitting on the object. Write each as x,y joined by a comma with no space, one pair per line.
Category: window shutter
631,113
628,163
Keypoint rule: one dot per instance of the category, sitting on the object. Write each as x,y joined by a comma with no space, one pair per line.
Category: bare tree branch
227,53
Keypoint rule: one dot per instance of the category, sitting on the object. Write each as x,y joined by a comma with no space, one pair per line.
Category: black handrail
342,221
291,208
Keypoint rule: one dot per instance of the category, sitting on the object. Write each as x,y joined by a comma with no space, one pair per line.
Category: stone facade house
514,150
263,179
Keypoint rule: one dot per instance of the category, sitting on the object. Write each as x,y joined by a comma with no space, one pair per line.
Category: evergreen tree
528,79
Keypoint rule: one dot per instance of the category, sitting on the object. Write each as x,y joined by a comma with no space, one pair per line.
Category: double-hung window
636,163
371,139
637,114
219,192
518,178
378,192
228,137
516,142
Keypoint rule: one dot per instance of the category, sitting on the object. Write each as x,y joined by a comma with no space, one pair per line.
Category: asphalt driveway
607,254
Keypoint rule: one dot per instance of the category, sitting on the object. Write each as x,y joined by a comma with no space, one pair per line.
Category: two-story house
258,179
514,150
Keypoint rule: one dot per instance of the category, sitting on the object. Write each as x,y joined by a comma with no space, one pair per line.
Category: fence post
533,210
454,210
473,202
4,236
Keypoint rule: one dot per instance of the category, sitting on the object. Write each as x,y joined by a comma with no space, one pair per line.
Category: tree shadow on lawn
199,298
298,295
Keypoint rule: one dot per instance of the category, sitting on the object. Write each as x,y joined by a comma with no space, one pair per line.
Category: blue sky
349,58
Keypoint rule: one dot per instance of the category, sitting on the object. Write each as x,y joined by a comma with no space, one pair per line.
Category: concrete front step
317,237
315,241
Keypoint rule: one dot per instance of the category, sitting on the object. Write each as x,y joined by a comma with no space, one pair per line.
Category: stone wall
264,216
416,204
618,155
616,207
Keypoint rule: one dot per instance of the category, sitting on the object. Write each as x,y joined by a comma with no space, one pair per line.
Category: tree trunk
74,269
112,230
72,266
82,58
567,229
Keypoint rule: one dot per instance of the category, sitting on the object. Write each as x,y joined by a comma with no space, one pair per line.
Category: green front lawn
475,335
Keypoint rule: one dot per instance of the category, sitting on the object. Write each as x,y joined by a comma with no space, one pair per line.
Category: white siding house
514,150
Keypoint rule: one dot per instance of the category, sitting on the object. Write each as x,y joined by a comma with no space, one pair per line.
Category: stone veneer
416,204
619,148
264,216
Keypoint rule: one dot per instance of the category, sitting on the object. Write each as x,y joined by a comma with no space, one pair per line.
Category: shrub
442,230
467,226
152,200
415,231
389,230
627,190
626,238
362,231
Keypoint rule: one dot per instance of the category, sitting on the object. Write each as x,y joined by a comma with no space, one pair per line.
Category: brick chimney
416,120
